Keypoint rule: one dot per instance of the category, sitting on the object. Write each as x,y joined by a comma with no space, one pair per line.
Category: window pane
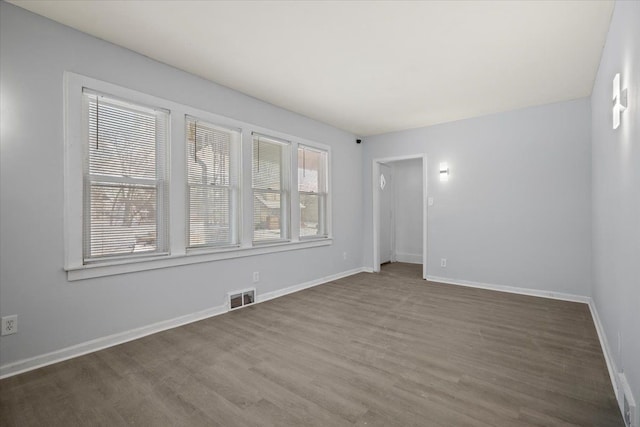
312,188
267,165
123,219
125,204
270,193
208,154
312,215
209,216
211,207
311,170
266,216
122,141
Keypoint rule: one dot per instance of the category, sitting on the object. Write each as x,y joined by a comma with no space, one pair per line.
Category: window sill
192,257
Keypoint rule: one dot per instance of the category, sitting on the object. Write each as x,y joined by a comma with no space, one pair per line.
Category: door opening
400,211
387,208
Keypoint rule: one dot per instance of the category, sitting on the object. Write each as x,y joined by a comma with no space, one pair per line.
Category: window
312,189
270,184
212,184
152,183
125,203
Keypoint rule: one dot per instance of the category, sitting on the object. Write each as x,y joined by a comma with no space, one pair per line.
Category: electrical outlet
256,276
430,201
443,262
10,324
344,256
628,404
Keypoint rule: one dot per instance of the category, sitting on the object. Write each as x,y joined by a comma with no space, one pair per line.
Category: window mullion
176,179
246,218
287,160
294,224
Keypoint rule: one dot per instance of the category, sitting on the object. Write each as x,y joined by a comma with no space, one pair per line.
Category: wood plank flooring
384,349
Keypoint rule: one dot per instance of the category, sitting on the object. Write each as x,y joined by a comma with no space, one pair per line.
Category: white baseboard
310,284
97,344
512,289
66,353
606,350
39,361
409,258
604,344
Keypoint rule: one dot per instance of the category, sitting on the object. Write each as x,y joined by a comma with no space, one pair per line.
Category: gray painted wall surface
616,194
54,313
516,208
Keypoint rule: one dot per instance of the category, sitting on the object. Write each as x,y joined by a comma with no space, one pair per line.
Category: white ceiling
363,66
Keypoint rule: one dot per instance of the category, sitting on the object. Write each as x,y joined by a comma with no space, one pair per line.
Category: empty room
320,213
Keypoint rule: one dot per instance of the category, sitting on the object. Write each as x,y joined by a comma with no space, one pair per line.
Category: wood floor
384,349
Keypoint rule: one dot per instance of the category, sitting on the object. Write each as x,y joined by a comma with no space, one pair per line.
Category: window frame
234,189
324,196
284,191
160,182
176,181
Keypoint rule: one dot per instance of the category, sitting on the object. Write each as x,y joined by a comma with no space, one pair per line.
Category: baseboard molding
512,289
97,344
306,285
81,349
409,258
606,350
604,344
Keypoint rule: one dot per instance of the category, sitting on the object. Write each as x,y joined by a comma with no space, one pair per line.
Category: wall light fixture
619,101
444,172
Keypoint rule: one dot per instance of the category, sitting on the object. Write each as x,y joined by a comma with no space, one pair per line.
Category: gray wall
408,210
516,209
54,313
616,194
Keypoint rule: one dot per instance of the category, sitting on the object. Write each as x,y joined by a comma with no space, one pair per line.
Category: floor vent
239,299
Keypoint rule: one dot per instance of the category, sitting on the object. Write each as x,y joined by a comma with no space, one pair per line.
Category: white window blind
212,205
125,202
270,189
312,188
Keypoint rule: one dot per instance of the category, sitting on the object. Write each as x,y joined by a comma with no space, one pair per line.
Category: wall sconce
444,172
619,101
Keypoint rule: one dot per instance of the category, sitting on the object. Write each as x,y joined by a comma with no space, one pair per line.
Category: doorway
386,188
399,186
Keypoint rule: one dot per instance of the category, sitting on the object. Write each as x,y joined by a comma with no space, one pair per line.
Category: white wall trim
606,350
97,344
375,214
310,284
512,289
604,344
409,258
192,257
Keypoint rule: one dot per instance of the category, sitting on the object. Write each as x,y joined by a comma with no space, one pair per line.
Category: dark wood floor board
387,349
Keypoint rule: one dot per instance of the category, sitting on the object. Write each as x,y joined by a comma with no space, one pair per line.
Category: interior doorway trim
376,207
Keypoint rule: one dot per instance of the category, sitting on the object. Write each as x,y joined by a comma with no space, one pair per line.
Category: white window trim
160,182
235,187
285,190
193,257
326,149
176,179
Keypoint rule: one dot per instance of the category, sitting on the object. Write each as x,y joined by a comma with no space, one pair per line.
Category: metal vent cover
239,299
